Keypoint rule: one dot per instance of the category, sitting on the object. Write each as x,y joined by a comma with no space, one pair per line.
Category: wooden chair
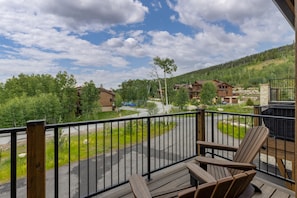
141,190
231,186
243,158
238,187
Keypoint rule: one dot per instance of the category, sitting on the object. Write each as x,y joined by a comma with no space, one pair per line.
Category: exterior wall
224,90
264,94
106,100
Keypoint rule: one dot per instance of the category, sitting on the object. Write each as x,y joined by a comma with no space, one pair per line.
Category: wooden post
36,159
200,135
295,157
257,111
201,129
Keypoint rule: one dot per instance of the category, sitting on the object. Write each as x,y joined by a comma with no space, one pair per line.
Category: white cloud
213,10
43,32
93,14
256,19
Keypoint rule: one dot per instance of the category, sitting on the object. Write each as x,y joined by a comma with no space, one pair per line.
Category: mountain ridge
249,71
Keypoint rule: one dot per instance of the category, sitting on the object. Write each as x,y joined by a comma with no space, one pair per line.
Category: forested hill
249,71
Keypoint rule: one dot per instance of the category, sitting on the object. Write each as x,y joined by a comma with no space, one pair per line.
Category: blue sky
111,41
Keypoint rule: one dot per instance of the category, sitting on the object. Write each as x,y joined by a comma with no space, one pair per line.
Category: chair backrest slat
205,190
222,187
250,146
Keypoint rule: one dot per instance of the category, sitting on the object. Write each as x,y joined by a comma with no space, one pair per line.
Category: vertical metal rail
212,132
179,137
56,162
104,155
88,161
118,133
149,148
111,161
13,165
159,131
163,137
78,160
172,137
125,157
131,154
187,138
69,163
176,129
136,132
142,140
96,157
197,125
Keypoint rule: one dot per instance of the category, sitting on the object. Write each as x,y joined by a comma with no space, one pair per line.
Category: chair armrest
199,173
225,163
139,187
217,146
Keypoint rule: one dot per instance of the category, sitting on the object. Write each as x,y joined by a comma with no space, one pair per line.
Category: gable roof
101,89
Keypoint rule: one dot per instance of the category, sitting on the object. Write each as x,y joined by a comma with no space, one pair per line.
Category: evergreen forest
249,71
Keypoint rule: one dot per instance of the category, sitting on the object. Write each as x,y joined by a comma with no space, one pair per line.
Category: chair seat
218,172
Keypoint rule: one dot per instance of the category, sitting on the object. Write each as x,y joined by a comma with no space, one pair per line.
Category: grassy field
84,146
237,132
232,108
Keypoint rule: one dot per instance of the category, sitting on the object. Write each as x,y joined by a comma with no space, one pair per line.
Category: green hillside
249,71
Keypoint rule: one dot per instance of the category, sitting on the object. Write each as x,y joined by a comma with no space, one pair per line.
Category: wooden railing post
295,156
36,159
257,111
200,130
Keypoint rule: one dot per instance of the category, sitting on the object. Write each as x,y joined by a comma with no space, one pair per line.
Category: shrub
249,102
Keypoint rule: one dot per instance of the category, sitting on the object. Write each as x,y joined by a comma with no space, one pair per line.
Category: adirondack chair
228,187
243,158
231,186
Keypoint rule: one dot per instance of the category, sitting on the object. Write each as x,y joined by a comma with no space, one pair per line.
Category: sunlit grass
80,147
237,132
232,108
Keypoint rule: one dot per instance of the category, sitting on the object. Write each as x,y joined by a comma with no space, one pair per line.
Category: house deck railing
282,90
84,159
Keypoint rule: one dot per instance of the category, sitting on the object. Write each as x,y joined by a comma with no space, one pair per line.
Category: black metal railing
10,156
108,152
277,156
84,159
282,90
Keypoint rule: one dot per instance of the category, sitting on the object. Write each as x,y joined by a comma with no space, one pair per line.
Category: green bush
249,102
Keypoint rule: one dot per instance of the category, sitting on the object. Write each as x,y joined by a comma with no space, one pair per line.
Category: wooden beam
290,5
295,145
36,159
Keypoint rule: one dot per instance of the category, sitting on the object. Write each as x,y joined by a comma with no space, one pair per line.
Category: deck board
178,177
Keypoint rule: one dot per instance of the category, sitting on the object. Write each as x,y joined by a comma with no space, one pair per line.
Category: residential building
106,99
224,90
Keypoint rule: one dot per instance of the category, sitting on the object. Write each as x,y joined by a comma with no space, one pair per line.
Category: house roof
215,82
106,91
287,9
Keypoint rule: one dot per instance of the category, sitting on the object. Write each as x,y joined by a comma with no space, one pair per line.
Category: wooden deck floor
178,177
